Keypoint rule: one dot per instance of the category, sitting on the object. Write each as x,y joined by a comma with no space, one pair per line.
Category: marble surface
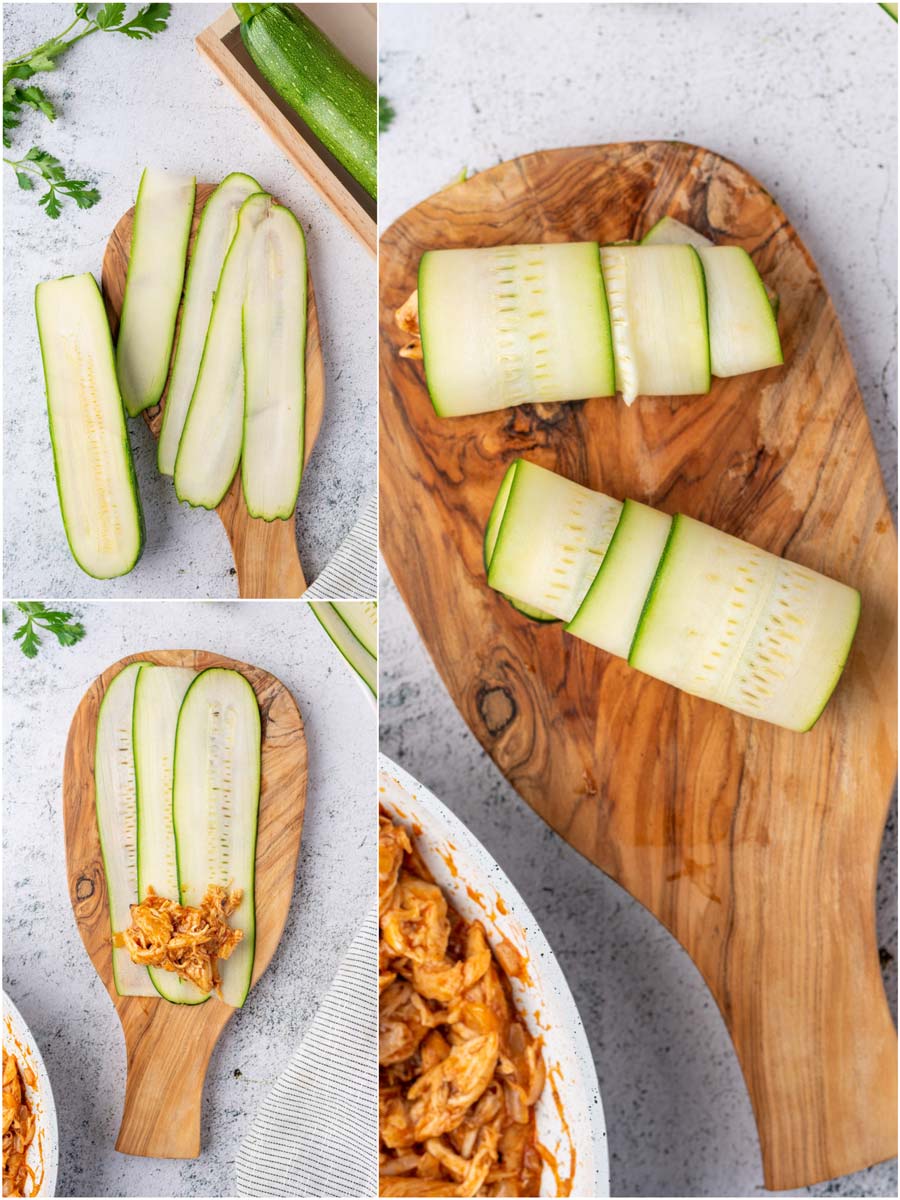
802,96
46,969
124,105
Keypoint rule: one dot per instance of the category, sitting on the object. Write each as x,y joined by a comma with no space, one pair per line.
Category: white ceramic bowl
43,1152
570,1112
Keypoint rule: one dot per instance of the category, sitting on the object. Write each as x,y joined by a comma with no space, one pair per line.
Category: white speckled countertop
803,96
125,104
46,969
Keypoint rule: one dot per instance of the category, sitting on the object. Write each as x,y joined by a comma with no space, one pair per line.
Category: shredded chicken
460,1073
19,1127
189,941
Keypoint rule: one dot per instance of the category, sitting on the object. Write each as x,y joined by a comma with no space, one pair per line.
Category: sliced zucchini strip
98,495
510,325
743,333
274,337
657,302
210,446
670,232
737,625
333,619
552,539
157,702
217,228
159,242
114,786
490,540
361,618
216,806
609,613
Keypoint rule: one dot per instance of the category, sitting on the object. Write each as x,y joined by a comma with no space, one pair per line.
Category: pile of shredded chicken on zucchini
19,1127
459,1071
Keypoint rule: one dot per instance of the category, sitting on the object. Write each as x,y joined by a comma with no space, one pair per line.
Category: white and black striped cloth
352,574
316,1134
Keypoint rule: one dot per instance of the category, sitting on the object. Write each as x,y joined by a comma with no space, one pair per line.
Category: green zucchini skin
334,98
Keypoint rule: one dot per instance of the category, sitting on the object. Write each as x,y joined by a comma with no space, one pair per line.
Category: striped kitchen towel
317,1131
352,574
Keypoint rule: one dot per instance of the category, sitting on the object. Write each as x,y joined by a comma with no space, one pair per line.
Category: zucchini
338,102
274,341
670,232
744,628
114,787
609,614
217,227
551,542
215,806
657,300
361,618
492,528
159,242
157,701
95,480
344,630
210,446
743,334
509,325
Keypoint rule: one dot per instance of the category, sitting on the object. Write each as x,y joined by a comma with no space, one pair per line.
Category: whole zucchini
337,102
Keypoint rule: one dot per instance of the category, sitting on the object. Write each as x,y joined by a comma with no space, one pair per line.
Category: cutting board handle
265,552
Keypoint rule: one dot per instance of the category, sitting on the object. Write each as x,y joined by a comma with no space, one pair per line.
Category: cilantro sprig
37,616
19,95
386,114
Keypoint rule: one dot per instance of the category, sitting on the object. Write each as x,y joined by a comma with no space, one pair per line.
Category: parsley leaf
110,16
37,616
386,114
40,164
149,20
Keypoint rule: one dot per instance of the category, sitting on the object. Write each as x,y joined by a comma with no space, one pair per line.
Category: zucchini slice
157,702
744,628
361,618
509,325
274,339
95,480
217,227
159,242
114,786
492,528
210,446
743,333
552,539
657,300
609,613
670,232
216,806
334,620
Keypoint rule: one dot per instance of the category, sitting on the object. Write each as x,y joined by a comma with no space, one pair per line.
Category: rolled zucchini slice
610,612
490,541
210,446
274,339
657,302
217,228
95,479
159,242
216,806
734,624
509,325
743,332
552,540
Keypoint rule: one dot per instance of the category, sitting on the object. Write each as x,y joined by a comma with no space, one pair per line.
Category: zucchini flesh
159,242
216,806
509,325
657,302
210,446
361,618
609,613
217,227
744,628
743,334
552,539
157,701
95,478
114,785
498,508
360,659
335,99
274,341
670,232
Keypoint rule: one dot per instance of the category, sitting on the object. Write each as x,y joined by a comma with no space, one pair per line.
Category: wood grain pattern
168,1046
758,848
220,44
265,552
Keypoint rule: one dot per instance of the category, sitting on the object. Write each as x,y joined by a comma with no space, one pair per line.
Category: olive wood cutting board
265,552
168,1046
756,847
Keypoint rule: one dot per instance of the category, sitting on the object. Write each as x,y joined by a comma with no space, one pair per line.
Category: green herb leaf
66,631
110,16
386,114
26,183
149,20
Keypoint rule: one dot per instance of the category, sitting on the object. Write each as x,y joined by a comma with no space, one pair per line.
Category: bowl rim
14,1024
